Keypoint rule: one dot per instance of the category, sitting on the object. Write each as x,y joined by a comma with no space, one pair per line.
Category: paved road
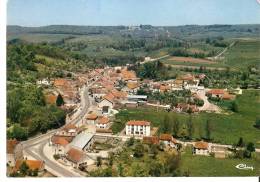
37,143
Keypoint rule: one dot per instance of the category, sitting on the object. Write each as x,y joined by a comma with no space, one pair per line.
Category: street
34,147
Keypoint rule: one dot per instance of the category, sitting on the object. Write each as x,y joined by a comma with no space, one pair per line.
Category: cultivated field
244,53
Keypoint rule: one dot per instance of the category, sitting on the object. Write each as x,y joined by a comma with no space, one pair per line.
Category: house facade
201,148
138,128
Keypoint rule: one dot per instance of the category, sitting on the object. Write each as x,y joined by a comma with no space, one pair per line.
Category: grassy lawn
226,128
210,166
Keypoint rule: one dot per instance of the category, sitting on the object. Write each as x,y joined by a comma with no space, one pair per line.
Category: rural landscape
133,101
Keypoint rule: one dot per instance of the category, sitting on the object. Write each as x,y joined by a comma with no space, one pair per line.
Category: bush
56,156
257,122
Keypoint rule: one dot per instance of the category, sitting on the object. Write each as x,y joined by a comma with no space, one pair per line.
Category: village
78,146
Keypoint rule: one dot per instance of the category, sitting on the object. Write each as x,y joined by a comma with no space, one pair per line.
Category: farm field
210,166
226,128
243,54
190,61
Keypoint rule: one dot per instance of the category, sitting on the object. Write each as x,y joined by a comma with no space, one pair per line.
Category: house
59,144
60,82
69,130
177,85
43,82
216,93
14,151
128,75
137,98
138,128
76,158
228,96
151,140
83,141
168,140
32,164
201,148
91,118
131,87
107,103
164,88
102,122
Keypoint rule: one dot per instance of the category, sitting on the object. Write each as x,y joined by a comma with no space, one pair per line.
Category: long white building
138,128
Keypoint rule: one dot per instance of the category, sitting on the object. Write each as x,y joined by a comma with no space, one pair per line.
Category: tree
234,106
110,158
24,168
176,127
138,150
190,127
166,127
250,147
130,142
155,168
208,129
59,100
257,122
18,132
240,142
99,161
120,169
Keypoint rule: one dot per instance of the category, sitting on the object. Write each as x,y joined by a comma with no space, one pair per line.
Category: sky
132,12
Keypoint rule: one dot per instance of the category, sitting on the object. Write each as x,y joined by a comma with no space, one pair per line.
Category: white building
102,122
106,104
201,148
138,128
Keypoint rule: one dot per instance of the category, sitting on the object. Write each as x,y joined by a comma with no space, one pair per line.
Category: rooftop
75,155
32,164
166,137
138,123
201,145
81,140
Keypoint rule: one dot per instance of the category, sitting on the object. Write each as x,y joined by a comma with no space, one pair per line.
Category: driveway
207,105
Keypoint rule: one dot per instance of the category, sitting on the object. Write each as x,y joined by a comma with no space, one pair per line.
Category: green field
226,128
244,53
210,166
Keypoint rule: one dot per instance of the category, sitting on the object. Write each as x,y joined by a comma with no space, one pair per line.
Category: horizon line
130,25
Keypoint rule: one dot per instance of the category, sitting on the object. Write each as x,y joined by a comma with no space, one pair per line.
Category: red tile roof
103,120
92,116
58,140
151,140
138,123
75,155
201,145
110,97
216,91
166,137
32,164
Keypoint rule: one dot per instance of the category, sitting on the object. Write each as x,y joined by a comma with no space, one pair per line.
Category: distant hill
189,31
